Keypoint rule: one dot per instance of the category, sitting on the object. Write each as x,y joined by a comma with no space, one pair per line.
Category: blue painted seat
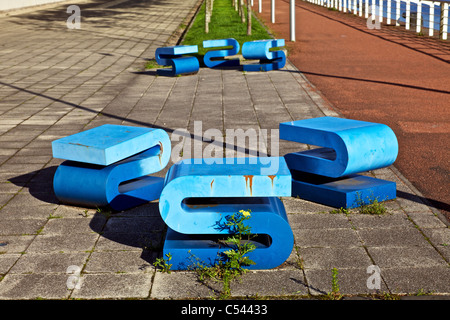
214,54
328,174
109,165
173,56
197,199
260,49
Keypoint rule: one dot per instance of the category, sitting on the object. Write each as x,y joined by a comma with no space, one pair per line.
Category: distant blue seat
109,165
198,199
214,54
173,56
328,174
260,49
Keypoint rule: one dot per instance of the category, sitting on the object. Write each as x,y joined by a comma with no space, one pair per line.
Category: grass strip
225,23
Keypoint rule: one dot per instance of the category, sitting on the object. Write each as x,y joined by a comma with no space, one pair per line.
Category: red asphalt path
389,76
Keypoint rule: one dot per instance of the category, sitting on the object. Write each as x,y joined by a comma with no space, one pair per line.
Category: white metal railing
413,14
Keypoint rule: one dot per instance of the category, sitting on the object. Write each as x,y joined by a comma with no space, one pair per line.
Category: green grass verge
225,23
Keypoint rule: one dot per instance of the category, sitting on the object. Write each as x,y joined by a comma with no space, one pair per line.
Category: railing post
292,19
389,11
431,21
444,21
273,10
360,8
380,11
397,12
374,11
419,17
408,15
260,6
366,13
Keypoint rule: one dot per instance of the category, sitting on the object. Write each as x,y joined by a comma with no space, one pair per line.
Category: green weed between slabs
231,263
152,64
374,207
225,23
335,293
163,263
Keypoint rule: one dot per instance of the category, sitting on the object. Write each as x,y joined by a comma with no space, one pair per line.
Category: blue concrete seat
173,56
260,49
109,165
328,174
215,54
197,199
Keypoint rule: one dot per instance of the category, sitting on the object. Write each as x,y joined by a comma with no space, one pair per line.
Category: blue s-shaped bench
173,56
328,174
110,165
221,53
220,191
260,50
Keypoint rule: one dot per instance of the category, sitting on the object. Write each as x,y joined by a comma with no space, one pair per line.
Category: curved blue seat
109,165
260,49
234,187
173,56
348,146
327,174
207,59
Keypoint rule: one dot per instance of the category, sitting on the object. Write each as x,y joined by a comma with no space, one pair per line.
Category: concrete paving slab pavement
99,71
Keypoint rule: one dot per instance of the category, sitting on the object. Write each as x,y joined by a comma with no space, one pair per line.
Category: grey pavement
56,82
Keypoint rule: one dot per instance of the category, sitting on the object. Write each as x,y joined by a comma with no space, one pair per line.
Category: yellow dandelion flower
245,213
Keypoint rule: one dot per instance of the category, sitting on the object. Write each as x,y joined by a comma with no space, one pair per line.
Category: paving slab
414,257
114,286
181,285
329,258
393,237
351,281
34,286
118,262
334,238
432,280
273,283
53,262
